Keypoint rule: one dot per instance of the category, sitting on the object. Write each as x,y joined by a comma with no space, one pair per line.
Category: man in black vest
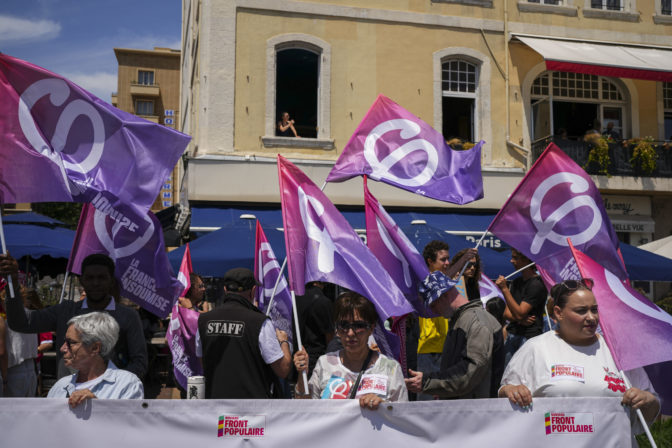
240,348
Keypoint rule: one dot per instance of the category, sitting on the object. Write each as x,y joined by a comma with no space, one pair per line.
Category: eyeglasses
69,343
358,326
573,285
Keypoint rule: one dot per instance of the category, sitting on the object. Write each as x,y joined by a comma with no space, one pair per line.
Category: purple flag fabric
394,146
266,272
557,200
488,290
58,142
637,332
395,252
142,268
181,338
321,246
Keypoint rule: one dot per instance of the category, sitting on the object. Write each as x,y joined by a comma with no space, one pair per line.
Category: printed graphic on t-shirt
225,328
337,388
567,372
614,381
373,384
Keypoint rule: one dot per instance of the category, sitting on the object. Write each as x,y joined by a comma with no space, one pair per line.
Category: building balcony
620,158
144,89
152,118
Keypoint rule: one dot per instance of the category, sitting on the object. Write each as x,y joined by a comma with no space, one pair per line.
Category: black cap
239,279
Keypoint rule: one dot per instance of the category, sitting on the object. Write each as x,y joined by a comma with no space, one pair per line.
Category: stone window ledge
662,19
524,6
293,142
626,16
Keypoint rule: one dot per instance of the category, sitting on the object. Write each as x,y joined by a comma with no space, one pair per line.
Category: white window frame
483,3
482,109
144,100
147,71
659,17
323,49
564,7
628,11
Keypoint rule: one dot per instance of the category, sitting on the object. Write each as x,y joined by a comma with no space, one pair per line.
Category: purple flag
58,142
394,146
142,268
488,290
557,200
637,332
266,272
321,246
395,252
181,338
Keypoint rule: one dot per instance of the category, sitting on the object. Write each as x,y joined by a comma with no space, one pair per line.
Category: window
299,84
666,7
145,78
609,5
144,107
575,103
667,107
297,88
546,2
459,81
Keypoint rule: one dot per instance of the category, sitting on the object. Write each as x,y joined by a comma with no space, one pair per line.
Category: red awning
603,58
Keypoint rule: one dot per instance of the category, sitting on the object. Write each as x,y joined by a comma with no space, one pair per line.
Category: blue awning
37,241
31,218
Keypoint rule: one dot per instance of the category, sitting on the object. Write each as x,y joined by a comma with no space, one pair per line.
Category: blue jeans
511,345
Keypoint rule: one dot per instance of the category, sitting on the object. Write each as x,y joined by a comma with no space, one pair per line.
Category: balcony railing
144,89
620,154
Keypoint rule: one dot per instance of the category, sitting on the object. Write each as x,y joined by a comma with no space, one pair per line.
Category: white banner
558,422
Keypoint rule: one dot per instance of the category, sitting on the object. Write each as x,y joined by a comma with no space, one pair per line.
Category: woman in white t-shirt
574,360
356,371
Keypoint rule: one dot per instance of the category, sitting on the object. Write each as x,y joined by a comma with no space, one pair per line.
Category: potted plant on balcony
644,157
598,157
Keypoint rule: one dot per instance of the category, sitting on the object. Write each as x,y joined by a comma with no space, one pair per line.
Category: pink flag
394,146
266,273
58,142
142,268
488,290
557,200
395,252
321,246
637,332
181,339
185,270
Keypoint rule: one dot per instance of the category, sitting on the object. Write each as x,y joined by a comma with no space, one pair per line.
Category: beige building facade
474,69
148,85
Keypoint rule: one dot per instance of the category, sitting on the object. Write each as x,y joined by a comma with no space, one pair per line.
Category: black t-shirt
532,291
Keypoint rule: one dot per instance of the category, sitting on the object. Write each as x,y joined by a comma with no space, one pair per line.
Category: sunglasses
358,326
573,285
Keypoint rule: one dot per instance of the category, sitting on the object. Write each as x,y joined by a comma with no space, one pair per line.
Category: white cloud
14,29
100,84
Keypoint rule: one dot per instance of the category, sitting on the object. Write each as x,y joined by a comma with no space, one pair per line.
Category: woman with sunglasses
88,345
356,371
574,360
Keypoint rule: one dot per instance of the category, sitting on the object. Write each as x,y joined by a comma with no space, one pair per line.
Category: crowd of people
468,350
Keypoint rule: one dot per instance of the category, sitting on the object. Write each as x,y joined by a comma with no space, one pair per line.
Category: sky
76,38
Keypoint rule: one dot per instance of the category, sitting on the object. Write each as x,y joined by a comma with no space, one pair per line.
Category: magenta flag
637,331
266,273
395,252
183,276
60,143
394,146
181,338
488,290
557,200
142,268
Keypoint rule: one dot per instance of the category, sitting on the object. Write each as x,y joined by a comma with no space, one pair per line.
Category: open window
297,86
459,82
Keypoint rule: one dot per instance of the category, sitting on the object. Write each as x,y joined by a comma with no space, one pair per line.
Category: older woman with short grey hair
88,346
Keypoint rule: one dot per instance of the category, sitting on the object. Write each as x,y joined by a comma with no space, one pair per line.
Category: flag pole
275,287
65,280
519,270
464,268
4,252
639,413
298,341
